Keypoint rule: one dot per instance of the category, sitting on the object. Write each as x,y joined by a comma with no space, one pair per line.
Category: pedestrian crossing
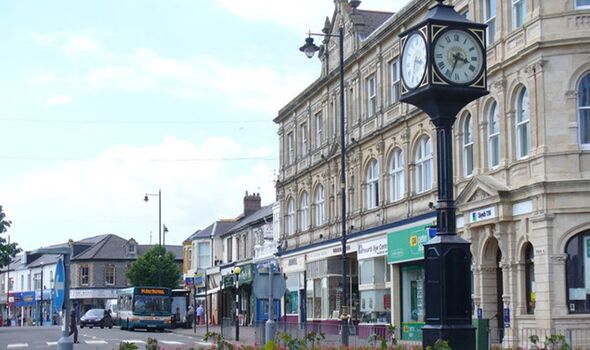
111,343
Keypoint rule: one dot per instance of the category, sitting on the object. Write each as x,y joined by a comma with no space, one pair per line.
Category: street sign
262,288
59,285
228,281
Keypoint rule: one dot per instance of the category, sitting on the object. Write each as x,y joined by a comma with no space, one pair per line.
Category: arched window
319,206
373,184
396,175
290,218
467,146
523,131
584,109
578,273
424,165
529,263
493,136
304,207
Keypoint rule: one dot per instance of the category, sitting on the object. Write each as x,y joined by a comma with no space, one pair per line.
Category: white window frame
581,137
518,6
468,161
396,175
394,76
290,217
522,125
82,275
319,129
304,211
304,139
319,206
200,256
493,135
424,169
371,96
290,148
108,268
490,19
373,184
581,7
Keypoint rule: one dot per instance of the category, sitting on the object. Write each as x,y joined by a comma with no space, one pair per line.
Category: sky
105,101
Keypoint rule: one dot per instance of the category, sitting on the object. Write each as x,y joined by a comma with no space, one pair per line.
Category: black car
96,317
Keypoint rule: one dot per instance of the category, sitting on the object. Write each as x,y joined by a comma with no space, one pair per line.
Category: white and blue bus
145,308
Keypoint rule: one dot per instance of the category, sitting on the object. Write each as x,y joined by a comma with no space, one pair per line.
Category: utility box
482,333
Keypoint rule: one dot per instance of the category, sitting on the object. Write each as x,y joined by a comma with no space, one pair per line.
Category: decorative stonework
499,85
571,94
478,195
558,258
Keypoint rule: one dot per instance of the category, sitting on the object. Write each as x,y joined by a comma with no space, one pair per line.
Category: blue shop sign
22,298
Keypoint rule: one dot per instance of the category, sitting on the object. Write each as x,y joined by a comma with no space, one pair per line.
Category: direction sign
262,287
59,285
199,280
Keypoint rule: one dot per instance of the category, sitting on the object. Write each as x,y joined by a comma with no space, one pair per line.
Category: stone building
521,165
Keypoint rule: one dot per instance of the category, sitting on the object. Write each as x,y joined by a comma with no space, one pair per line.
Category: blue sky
104,101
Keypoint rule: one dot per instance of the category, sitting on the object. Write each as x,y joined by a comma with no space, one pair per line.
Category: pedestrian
73,326
190,314
200,312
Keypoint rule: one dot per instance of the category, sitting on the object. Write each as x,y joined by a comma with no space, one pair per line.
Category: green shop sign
406,245
412,330
246,275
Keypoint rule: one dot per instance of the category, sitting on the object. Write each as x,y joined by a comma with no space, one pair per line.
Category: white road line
51,343
95,342
202,343
135,341
171,342
17,345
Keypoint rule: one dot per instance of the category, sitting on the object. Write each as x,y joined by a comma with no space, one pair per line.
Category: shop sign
245,275
19,299
328,252
372,249
407,244
483,214
189,281
93,293
293,264
412,331
228,281
199,280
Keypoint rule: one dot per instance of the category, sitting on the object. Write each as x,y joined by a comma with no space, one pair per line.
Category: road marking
171,342
135,341
51,343
17,345
95,342
202,343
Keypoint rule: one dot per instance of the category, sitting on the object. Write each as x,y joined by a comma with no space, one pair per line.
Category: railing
359,335
533,338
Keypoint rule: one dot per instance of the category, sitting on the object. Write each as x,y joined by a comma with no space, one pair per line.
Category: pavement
46,337
247,335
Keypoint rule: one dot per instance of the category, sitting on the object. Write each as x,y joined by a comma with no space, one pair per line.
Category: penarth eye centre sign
371,249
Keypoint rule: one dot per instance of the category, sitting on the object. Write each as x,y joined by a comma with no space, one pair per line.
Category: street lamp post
237,270
309,48
146,199
41,303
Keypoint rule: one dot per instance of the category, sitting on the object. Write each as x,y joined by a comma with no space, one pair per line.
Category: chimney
251,203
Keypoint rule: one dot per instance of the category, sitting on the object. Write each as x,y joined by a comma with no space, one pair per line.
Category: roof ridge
102,242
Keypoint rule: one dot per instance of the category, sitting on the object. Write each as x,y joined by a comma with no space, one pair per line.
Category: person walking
73,325
190,314
200,312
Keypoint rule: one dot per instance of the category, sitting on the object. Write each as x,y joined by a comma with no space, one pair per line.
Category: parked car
96,317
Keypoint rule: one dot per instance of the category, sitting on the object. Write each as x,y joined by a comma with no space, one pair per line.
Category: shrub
127,346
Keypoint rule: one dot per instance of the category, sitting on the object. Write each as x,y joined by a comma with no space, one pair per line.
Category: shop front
246,295
23,306
294,301
405,254
374,286
85,299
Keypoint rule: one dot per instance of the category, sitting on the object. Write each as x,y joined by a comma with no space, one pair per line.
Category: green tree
154,268
7,250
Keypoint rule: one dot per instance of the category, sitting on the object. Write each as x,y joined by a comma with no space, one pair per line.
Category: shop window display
292,294
412,303
578,273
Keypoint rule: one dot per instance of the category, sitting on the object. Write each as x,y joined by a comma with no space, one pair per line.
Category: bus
180,302
147,308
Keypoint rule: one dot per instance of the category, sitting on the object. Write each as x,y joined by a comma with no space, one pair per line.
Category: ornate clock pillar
443,69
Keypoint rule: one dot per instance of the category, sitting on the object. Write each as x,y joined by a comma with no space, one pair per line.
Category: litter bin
482,327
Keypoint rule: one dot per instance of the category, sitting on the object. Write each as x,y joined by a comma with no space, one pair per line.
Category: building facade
521,165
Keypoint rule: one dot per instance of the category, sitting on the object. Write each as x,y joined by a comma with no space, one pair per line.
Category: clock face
414,60
458,56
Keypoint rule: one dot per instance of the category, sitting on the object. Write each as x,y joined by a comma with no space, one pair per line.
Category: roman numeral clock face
458,57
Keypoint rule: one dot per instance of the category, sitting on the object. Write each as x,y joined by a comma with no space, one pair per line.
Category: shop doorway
499,292
493,289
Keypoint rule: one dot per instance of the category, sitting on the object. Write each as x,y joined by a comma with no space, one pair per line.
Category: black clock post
441,94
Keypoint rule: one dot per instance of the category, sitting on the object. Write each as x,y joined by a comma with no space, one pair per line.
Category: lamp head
309,48
237,270
146,198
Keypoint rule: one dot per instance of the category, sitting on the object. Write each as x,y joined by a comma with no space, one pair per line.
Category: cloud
308,14
42,79
104,194
75,45
58,100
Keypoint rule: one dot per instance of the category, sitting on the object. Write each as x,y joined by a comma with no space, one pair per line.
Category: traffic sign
262,287
59,286
199,280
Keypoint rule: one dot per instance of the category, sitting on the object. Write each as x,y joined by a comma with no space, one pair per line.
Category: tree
154,268
7,250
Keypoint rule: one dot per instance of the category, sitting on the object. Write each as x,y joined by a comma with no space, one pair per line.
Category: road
22,338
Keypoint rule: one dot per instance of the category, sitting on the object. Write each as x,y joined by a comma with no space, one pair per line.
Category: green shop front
405,255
